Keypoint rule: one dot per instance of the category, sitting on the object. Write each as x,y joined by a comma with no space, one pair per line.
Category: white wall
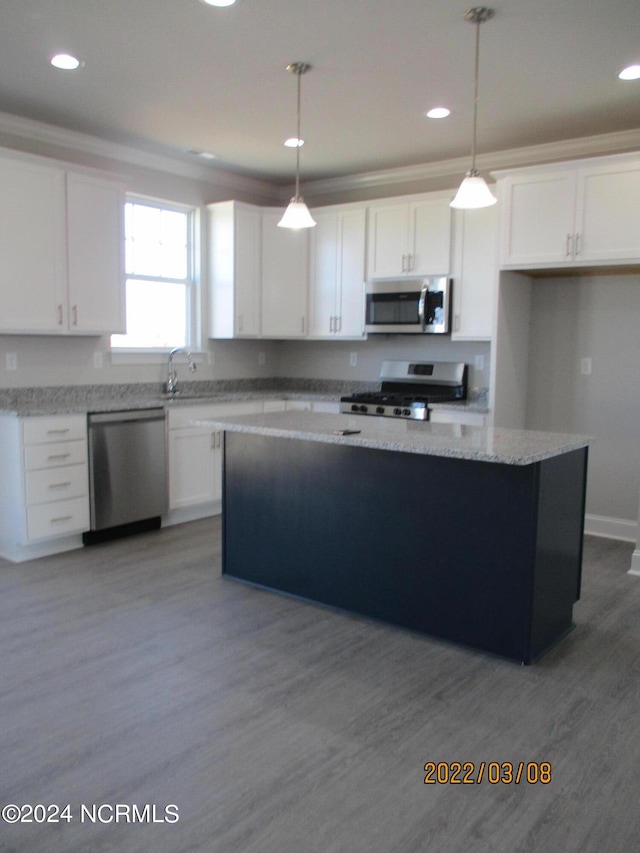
597,317
331,359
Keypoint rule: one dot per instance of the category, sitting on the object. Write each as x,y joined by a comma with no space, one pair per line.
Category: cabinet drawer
57,519
55,454
56,428
274,405
183,416
53,484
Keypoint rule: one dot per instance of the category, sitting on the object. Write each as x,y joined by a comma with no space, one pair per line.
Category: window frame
192,282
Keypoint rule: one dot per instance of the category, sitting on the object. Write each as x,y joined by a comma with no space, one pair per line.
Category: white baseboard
611,528
191,513
635,563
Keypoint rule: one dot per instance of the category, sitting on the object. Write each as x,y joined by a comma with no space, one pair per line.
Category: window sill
150,356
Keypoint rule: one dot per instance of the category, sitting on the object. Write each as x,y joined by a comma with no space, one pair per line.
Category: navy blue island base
483,554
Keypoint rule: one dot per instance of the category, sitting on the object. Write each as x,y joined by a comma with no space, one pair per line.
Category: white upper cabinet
61,249
95,249
409,237
475,273
33,261
337,272
285,278
234,231
582,213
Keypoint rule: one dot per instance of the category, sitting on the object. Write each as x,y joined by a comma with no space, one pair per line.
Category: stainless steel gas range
408,388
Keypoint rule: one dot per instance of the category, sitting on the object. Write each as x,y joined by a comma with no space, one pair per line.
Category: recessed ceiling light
65,61
205,155
218,2
631,72
438,112
294,142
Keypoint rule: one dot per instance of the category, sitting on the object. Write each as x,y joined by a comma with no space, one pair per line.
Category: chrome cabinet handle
59,315
60,485
578,243
409,263
61,518
240,322
57,431
58,456
74,312
569,245
421,307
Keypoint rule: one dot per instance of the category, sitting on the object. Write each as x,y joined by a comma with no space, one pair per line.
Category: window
160,284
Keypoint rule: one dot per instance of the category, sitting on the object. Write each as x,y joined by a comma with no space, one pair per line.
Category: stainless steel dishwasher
127,472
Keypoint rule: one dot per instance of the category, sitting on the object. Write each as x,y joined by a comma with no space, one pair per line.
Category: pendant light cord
299,145
475,99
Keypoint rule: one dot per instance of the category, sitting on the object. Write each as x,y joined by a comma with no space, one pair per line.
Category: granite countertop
67,400
457,441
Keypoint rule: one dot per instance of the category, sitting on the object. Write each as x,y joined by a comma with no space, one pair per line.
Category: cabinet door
388,231
324,274
95,234
430,237
247,272
351,273
194,467
32,248
285,276
607,227
475,273
538,213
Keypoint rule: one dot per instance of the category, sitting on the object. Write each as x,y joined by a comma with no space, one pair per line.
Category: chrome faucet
172,379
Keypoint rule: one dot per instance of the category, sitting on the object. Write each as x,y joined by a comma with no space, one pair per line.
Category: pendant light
297,214
473,191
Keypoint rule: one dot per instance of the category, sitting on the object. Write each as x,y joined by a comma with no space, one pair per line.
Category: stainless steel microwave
415,306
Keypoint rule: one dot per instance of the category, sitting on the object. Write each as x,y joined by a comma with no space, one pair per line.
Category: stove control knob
380,410
364,409
397,411
355,408
406,412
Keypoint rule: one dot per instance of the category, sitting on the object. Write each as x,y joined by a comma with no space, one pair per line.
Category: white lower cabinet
195,459
450,416
44,493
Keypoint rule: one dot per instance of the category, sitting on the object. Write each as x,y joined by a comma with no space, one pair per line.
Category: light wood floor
130,674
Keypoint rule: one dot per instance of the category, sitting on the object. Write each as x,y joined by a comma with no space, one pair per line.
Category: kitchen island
468,534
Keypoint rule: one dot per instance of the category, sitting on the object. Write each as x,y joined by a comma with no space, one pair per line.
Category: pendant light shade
297,214
473,191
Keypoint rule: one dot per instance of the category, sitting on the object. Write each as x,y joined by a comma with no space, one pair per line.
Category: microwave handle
422,302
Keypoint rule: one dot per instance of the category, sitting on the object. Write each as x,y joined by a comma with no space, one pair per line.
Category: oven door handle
422,302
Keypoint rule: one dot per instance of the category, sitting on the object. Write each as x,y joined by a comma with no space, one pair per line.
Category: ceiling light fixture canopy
297,213
473,191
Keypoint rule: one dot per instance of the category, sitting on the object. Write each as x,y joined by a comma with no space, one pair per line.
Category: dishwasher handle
130,415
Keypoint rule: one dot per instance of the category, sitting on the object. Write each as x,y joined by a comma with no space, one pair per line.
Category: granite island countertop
457,441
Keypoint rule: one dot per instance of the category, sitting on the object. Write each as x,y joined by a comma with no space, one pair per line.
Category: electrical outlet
262,359
353,359
11,361
585,367
479,362
98,360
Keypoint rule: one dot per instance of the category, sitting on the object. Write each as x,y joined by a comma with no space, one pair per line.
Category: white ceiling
170,76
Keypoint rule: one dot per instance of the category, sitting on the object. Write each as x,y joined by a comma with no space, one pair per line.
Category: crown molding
568,149
36,131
